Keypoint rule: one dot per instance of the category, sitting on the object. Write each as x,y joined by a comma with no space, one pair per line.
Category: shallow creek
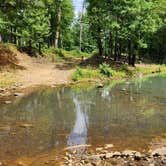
128,115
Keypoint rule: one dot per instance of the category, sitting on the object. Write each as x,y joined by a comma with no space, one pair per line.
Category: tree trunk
40,53
81,25
57,33
111,44
133,59
116,45
1,38
129,52
100,47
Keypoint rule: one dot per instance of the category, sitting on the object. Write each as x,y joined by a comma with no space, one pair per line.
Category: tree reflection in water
78,135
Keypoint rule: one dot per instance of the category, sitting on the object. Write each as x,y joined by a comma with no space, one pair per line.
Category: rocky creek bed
104,156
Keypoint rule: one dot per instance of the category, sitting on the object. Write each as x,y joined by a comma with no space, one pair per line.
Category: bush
85,74
105,70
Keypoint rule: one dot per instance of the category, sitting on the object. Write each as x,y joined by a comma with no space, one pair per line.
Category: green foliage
81,73
105,70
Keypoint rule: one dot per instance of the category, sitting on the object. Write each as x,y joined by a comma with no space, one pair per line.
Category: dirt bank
30,71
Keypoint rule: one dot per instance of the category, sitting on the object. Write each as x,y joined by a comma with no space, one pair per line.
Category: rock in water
26,125
159,152
100,86
109,155
8,102
18,94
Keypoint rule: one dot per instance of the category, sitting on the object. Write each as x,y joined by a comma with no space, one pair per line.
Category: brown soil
35,71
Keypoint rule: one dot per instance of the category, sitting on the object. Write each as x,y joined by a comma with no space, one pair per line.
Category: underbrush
56,54
104,71
6,80
151,69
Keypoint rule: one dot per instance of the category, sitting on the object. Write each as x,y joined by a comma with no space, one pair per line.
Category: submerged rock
8,102
2,89
21,164
4,128
100,86
18,94
26,125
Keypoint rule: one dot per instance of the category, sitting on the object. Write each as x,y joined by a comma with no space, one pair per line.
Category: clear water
128,115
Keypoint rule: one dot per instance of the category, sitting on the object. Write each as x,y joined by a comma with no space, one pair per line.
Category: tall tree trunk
81,25
14,36
116,45
99,42
11,35
40,53
133,59
129,51
57,33
1,38
111,44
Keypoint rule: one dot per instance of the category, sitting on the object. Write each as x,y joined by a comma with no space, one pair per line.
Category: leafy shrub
105,69
85,74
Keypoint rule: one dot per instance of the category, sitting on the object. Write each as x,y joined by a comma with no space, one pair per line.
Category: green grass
85,73
6,80
151,69
103,72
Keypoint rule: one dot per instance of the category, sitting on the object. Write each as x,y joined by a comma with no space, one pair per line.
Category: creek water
128,115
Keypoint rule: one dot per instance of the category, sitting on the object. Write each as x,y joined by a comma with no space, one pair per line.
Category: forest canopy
134,29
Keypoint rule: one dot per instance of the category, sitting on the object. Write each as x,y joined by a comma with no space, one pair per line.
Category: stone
109,155
8,102
128,153
159,152
26,125
107,146
116,154
47,162
124,89
100,86
96,163
18,94
94,157
2,89
99,149
21,164
137,156
4,128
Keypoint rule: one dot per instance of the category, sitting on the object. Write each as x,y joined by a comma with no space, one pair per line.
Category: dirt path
40,71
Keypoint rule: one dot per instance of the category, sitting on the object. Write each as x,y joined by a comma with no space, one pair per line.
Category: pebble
99,149
116,154
21,164
107,146
8,102
18,94
159,152
109,155
26,125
